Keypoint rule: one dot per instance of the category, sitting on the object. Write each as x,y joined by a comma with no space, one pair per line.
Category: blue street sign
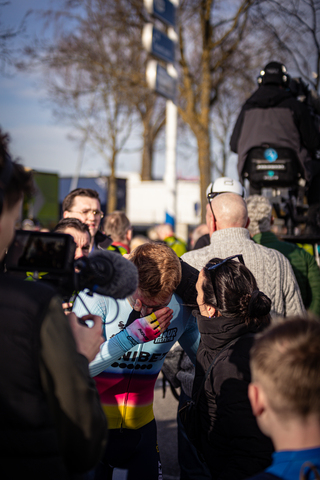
162,46
164,10
158,43
165,84
161,81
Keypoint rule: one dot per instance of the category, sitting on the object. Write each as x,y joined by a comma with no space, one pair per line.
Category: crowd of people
77,380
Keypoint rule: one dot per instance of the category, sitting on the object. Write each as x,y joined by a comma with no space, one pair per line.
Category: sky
36,136
38,139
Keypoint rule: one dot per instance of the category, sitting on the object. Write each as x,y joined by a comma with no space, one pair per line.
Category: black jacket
233,445
102,241
51,423
273,116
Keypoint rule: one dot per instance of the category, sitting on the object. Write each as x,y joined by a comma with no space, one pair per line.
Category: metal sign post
164,82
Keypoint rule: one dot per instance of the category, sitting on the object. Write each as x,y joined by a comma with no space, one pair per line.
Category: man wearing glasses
227,220
129,361
84,204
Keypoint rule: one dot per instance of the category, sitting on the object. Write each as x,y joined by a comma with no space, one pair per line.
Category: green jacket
177,245
303,265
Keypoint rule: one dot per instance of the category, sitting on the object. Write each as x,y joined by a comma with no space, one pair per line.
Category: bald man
227,221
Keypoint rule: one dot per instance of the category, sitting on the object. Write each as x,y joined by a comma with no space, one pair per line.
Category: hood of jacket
216,332
268,96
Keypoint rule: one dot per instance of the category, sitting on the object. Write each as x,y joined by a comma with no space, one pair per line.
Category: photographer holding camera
52,425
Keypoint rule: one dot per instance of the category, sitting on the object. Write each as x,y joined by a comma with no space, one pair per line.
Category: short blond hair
285,359
159,269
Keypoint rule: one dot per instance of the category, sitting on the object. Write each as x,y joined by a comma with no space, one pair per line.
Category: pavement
165,412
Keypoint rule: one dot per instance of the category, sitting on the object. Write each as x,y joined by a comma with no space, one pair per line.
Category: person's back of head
159,269
118,226
260,214
285,360
230,210
138,240
164,230
274,73
197,233
15,182
232,290
152,234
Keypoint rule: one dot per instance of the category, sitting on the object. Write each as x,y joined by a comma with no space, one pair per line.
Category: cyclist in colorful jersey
128,364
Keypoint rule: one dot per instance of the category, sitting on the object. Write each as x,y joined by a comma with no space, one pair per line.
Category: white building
146,203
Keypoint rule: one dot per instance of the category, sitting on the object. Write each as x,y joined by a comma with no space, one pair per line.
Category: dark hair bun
259,304
244,305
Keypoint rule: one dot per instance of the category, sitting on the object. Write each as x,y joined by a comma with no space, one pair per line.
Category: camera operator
82,238
52,425
80,233
274,116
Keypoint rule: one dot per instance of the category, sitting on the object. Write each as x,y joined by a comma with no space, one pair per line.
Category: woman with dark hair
232,311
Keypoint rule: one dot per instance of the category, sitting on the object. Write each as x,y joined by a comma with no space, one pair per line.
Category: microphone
106,273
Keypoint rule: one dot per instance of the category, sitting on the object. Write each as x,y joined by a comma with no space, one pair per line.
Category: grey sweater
271,269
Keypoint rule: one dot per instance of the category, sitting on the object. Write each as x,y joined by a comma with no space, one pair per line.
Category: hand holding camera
88,340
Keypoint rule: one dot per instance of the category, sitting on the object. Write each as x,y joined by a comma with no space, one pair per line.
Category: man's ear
210,220
66,214
257,399
129,235
248,223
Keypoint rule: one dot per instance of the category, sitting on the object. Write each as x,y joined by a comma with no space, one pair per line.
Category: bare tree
97,46
7,36
295,25
79,68
210,36
129,16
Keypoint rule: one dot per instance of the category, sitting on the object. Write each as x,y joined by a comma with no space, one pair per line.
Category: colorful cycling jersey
126,375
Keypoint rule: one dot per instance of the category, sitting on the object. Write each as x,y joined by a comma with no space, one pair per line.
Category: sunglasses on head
212,267
212,195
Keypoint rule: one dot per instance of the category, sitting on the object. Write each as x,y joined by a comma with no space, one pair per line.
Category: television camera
49,257
277,173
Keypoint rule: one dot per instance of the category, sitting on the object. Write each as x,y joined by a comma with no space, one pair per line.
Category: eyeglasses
96,213
154,307
212,267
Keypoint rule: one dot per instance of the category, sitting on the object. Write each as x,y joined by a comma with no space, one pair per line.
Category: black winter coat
233,446
273,116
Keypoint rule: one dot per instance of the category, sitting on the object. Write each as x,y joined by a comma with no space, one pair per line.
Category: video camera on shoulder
43,256
49,257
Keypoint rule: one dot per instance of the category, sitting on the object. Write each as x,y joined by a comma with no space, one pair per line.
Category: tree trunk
203,140
147,153
112,186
